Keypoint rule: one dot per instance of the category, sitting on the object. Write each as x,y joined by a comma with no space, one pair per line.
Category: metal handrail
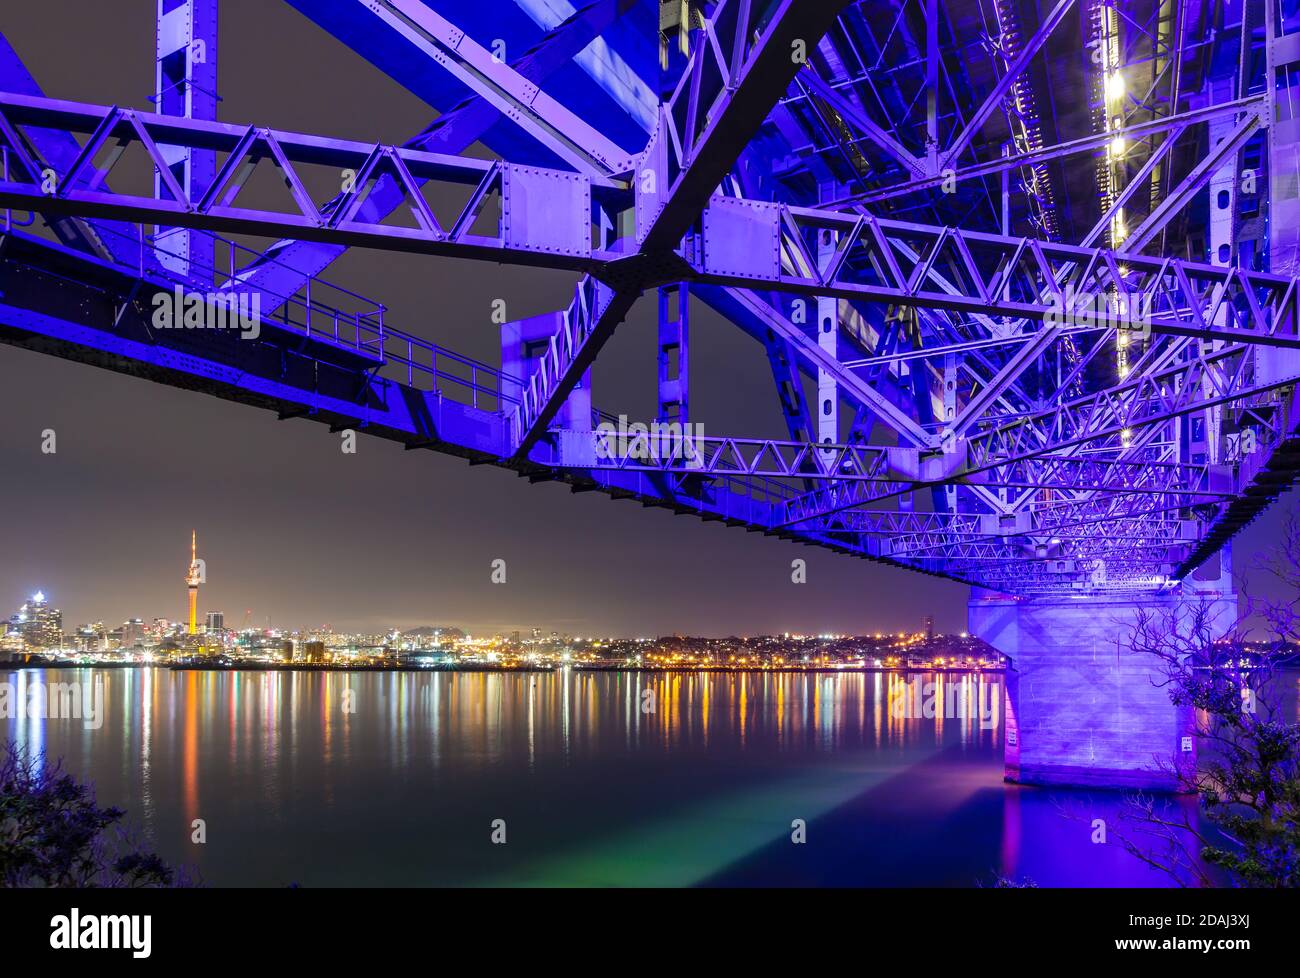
369,332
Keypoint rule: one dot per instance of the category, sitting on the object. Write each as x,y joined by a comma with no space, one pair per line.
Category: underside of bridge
1021,270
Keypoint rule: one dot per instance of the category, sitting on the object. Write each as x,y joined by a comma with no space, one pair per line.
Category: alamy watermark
75,931
37,700
658,441
1129,311
918,699
190,309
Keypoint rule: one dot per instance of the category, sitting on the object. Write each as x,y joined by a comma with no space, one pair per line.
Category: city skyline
247,563
215,621
240,580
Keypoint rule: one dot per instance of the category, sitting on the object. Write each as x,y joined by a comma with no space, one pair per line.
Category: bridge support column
1083,708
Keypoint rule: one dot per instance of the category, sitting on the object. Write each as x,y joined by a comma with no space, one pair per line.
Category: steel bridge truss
1027,414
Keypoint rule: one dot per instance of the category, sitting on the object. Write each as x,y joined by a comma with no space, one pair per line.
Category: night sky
302,534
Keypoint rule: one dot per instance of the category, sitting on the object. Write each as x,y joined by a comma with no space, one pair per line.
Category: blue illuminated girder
1033,271
291,262
1043,492
546,215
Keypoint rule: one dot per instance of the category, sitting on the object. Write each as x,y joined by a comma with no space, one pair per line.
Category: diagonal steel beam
1084,144
721,101
861,121
520,100
288,264
848,382
596,310
57,150
984,399
1191,184
994,100
1133,185
738,70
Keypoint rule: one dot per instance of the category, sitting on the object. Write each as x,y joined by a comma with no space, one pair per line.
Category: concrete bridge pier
1081,706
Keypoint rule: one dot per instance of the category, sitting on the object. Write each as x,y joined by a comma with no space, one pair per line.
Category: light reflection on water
388,778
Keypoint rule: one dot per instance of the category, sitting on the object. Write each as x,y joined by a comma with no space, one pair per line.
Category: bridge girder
960,389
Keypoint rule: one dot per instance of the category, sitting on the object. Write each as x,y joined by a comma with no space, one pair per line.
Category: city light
36,633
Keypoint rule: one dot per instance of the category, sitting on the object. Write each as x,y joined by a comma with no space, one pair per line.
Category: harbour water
572,777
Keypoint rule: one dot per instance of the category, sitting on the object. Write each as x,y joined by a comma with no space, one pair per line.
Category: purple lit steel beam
507,90
1101,538
1062,540
674,353
57,150
767,457
1192,184
1084,144
595,308
289,263
789,386
999,275
1021,113
1117,516
863,122
983,399
981,558
370,374
1119,537
1133,185
1209,379
1056,473
740,66
994,100
185,84
545,214
848,382
669,449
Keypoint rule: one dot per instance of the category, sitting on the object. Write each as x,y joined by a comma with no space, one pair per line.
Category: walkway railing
349,320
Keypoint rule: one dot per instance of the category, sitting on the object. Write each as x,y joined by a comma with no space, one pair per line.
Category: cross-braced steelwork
1037,351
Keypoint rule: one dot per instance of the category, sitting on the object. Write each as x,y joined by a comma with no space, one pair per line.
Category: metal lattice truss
1020,412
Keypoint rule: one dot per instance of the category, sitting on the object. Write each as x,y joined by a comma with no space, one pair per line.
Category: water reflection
605,778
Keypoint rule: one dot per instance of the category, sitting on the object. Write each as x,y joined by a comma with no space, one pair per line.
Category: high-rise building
133,633
194,578
216,623
929,628
40,626
92,637
11,642
46,629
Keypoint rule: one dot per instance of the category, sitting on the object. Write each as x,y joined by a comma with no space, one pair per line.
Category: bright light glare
1114,86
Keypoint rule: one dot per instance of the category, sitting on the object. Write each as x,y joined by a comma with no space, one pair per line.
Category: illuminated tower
193,582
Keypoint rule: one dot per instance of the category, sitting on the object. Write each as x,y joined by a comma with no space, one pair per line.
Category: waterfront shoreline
338,667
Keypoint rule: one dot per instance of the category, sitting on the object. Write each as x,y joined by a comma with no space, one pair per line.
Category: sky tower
193,581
